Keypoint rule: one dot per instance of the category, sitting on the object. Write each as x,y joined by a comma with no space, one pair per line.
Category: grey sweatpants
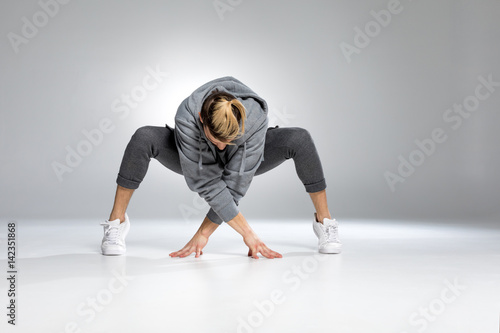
281,144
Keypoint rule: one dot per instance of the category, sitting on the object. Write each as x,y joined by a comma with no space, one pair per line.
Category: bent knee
143,134
299,135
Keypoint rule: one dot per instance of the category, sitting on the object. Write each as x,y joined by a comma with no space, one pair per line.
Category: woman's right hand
255,246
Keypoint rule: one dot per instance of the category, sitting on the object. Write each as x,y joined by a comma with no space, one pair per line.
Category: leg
297,144
146,143
122,198
321,205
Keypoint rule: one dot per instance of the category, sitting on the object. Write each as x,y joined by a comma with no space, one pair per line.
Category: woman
220,141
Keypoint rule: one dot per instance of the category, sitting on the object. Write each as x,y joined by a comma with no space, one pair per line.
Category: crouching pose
221,140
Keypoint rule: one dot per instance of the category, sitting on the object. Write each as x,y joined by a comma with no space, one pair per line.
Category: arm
204,178
236,180
255,245
199,240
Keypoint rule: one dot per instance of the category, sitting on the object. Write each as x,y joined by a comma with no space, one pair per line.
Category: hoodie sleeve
239,172
206,181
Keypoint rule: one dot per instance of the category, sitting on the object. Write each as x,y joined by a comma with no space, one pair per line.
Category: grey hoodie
221,177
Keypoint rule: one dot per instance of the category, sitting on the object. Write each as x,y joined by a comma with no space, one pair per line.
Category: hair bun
223,113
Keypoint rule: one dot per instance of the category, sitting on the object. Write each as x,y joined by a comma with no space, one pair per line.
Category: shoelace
112,234
331,233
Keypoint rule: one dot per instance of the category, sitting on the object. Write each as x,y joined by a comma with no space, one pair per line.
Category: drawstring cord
242,167
200,167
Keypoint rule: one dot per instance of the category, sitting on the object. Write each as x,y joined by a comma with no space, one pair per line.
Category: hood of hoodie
255,106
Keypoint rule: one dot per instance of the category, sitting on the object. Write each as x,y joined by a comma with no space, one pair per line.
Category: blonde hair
222,114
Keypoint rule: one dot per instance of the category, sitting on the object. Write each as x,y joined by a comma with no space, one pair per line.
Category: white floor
393,276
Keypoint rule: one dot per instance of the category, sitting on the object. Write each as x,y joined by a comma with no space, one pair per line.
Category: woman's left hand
196,244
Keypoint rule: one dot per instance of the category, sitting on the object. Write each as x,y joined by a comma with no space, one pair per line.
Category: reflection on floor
392,276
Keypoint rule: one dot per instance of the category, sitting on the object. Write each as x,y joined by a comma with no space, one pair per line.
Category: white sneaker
328,235
113,242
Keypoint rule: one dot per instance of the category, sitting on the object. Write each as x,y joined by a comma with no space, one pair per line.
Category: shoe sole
112,253
336,251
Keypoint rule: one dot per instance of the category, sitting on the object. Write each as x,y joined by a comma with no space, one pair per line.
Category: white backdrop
393,92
